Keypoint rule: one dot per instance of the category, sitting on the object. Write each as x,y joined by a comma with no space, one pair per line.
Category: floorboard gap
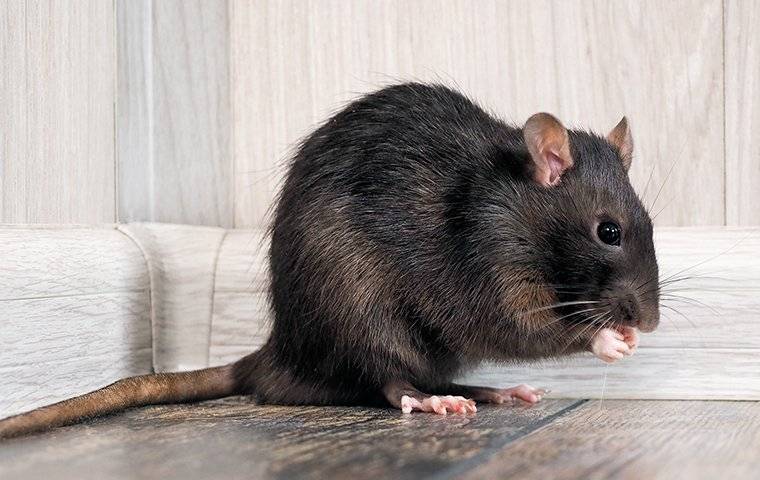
500,443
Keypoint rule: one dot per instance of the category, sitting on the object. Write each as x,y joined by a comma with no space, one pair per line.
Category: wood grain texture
633,440
241,318
706,347
74,313
57,115
238,440
589,62
652,373
566,440
182,262
241,324
174,112
742,127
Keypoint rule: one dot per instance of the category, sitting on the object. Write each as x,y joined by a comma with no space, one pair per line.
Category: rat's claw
436,404
410,403
459,404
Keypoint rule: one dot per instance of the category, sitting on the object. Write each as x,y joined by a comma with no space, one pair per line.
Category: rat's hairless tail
137,391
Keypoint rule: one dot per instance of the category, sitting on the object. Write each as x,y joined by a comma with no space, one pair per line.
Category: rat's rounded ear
620,138
549,146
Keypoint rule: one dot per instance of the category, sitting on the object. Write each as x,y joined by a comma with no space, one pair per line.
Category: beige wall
184,111
56,112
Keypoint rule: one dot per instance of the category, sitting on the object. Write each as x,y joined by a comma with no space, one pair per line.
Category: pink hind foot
438,404
523,392
402,395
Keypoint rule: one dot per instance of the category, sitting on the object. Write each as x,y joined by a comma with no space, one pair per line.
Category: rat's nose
627,308
628,311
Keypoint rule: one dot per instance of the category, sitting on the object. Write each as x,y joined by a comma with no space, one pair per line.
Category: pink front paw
630,337
611,345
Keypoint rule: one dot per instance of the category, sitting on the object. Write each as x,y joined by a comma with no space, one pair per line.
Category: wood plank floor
566,439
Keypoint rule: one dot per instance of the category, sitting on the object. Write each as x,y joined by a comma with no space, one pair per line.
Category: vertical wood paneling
293,63
742,57
57,115
590,62
134,113
272,116
174,112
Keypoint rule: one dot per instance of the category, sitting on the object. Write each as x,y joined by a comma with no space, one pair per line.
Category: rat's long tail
137,391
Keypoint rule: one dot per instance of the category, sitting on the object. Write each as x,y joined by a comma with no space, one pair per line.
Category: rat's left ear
549,146
620,137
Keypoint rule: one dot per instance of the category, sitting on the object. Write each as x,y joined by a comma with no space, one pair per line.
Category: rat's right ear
549,146
621,138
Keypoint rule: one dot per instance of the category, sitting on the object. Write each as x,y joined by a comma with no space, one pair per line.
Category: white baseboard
74,313
81,307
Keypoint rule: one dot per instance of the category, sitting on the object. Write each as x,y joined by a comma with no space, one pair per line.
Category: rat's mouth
643,325
627,309
619,315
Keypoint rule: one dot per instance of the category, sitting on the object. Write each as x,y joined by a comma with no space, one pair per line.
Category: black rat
416,236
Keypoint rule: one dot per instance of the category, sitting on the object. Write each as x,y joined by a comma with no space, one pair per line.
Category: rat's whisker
560,304
689,301
678,330
556,320
709,259
591,324
646,185
678,312
664,182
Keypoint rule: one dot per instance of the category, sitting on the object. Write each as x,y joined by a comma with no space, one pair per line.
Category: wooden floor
558,439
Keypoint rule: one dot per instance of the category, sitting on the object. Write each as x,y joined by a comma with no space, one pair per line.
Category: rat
417,235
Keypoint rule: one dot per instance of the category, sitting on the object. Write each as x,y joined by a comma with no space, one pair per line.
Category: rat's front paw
630,337
611,345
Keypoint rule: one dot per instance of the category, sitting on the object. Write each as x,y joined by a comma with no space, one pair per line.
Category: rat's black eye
609,233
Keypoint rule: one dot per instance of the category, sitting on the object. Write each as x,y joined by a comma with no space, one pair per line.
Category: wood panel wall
174,112
742,132
209,97
57,66
589,62
185,111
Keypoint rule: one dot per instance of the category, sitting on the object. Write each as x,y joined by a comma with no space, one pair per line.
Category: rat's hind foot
439,404
404,396
523,392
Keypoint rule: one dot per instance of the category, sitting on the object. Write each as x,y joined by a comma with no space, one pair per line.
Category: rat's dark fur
413,239
406,223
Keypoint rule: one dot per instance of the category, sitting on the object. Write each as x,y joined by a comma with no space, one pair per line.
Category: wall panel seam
213,294
725,151
151,295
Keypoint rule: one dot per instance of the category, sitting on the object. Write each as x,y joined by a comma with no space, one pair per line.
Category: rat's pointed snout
627,309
